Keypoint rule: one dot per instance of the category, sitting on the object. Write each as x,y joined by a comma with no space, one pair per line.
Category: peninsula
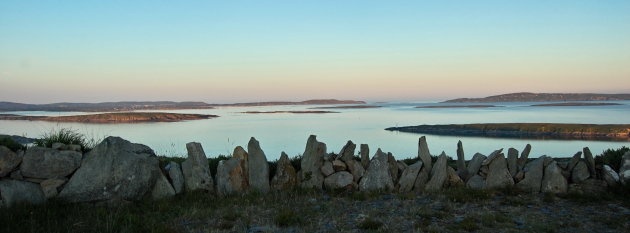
458,106
573,104
620,132
110,118
542,97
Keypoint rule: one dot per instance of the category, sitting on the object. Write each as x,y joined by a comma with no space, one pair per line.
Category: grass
468,224
465,194
287,217
67,136
11,144
370,224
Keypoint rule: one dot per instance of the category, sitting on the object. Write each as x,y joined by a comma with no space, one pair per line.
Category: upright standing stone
513,161
577,157
590,162
312,160
553,180
461,161
624,169
377,176
162,188
230,177
365,155
9,160
424,154
580,172
475,164
176,175
408,177
439,174
196,169
347,152
422,179
393,167
285,177
533,175
498,173
241,154
524,155
258,167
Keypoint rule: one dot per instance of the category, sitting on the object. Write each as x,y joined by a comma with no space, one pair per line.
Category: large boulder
377,176
422,179
13,192
553,180
339,165
512,161
47,163
9,160
498,174
196,169
177,177
524,156
312,160
241,154
533,175
408,177
347,152
624,169
51,187
475,164
114,170
162,188
339,180
365,155
285,176
610,176
356,169
476,182
327,168
230,177
439,174
461,161
423,153
590,161
580,172
258,167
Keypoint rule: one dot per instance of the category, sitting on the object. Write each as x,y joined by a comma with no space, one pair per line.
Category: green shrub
11,144
296,162
67,136
612,157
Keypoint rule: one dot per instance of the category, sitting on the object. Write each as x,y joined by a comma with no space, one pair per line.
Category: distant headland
542,97
124,117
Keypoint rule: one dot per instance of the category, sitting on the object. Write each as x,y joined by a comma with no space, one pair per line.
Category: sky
236,51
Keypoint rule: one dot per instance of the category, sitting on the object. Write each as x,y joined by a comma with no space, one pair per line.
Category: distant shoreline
113,118
573,104
295,112
348,107
459,106
542,97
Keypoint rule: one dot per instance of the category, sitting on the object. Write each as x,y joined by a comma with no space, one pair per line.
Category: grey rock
393,167
258,167
590,186
580,172
230,177
377,176
461,162
327,169
73,147
453,179
177,177
590,161
624,169
492,156
9,160
408,177
574,161
512,161
115,170
16,175
162,188
475,164
553,180
285,177
365,155
347,152
339,180
439,174
476,182
339,165
13,192
57,146
610,176
423,153
241,154
498,174
196,169
356,169
46,163
312,160
422,179
524,156
51,187
533,175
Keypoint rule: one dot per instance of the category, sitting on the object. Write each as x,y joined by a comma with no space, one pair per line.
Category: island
348,107
542,97
110,118
296,112
306,102
610,132
458,106
573,104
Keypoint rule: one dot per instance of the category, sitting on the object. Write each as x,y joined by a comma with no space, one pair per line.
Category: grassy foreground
452,210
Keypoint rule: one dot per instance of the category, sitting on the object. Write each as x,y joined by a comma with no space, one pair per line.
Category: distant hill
151,105
119,117
542,97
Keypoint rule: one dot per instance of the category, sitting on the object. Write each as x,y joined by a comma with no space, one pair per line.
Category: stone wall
117,171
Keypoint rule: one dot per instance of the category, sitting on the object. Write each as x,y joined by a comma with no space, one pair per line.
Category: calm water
288,132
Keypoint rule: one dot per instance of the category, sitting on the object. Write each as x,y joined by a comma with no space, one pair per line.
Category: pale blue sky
237,51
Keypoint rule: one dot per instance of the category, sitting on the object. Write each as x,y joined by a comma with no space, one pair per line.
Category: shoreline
113,118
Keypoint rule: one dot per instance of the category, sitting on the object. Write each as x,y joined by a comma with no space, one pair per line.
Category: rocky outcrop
258,167
339,180
408,177
312,160
580,172
624,170
533,175
177,177
365,155
285,176
114,170
553,181
9,160
162,188
377,176
347,152
439,174
13,192
498,174
196,169
47,163
230,177
424,154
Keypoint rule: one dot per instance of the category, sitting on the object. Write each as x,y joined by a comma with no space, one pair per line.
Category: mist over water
289,132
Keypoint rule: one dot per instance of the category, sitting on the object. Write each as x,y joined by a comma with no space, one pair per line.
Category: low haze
234,51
